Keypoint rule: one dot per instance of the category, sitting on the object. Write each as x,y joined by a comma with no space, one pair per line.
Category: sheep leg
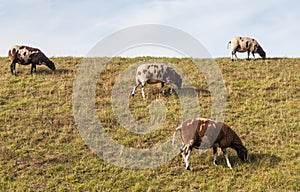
182,148
171,91
248,58
182,151
162,87
215,151
227,158
187,165
186,152
186,157
33,68
13,68
134,88
233,53
143,92
253,55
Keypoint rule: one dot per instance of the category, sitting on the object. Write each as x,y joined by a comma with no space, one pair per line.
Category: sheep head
51,65
242,153
260,51
178,81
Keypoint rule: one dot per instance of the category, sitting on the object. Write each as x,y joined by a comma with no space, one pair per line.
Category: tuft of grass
42,150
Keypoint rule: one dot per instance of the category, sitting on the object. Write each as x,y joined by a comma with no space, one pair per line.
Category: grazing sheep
25,55
209,133
245,44
156,73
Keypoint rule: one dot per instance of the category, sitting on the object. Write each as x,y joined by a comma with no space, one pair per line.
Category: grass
41,148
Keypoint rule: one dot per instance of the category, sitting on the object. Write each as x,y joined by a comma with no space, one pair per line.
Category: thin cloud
61,28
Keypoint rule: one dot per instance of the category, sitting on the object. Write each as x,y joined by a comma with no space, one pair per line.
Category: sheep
245,44
156,73
203,133
25,55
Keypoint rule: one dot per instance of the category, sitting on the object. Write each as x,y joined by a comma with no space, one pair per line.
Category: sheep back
243,44
205,133
26,55
156,72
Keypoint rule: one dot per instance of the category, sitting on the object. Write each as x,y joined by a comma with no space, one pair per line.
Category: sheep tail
228,44
174,134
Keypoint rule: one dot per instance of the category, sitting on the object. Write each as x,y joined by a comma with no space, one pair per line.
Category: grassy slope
41,149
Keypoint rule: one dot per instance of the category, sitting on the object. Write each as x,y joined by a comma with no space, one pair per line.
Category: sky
73,28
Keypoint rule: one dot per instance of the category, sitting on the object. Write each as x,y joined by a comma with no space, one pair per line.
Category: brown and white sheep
203,133
156,73
245,44
25,55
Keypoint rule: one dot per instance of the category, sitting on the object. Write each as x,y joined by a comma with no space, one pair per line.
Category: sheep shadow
250,59
261,158
276,58
185,91
50,72
190,91
202,91
63,71
266,160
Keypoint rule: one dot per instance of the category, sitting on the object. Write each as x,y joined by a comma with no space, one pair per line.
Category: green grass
42,150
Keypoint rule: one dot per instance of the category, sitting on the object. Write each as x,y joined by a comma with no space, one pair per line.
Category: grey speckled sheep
156,73
246,44
203,133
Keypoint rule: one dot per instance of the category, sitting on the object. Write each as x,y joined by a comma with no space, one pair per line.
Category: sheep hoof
215,163
188,168
132,95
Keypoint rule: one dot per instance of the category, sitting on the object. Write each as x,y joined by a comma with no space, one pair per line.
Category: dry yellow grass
41,148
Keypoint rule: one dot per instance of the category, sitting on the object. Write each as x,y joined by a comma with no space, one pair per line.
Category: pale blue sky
72,28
